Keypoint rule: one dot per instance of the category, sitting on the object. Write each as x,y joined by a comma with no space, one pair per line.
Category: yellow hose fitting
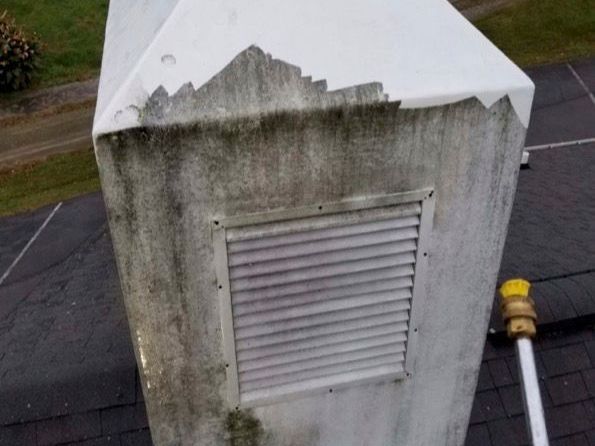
518,309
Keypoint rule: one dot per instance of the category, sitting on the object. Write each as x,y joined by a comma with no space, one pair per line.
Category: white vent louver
318,298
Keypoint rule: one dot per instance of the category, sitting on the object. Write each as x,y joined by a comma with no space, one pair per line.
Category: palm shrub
19,56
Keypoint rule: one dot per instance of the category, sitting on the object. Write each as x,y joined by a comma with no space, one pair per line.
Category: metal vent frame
219,227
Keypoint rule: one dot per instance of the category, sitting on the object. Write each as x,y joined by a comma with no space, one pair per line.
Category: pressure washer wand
518,311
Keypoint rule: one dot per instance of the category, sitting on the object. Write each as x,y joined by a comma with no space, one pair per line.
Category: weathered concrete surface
163,186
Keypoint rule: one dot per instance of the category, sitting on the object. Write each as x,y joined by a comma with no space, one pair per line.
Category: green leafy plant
19,55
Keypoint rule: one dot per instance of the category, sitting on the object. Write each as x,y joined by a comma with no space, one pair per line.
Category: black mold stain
243,428
252,82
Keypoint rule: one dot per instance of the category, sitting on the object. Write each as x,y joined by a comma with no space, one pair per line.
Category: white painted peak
422,51
130,30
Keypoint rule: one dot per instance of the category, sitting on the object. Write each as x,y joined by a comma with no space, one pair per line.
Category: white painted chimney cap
422,51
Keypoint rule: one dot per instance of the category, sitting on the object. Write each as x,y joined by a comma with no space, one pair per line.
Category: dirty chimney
308,203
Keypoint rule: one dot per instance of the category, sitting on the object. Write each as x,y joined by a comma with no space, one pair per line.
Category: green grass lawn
71,32
536,32
55,179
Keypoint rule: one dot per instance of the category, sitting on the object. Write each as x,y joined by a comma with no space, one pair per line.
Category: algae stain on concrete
243,429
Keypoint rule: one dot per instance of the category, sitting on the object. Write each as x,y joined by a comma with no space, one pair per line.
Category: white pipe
531,395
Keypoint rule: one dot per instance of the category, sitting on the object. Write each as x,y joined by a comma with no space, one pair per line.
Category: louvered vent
319,301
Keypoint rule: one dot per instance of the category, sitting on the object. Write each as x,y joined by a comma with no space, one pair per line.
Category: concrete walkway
477,9
39,123
37,138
